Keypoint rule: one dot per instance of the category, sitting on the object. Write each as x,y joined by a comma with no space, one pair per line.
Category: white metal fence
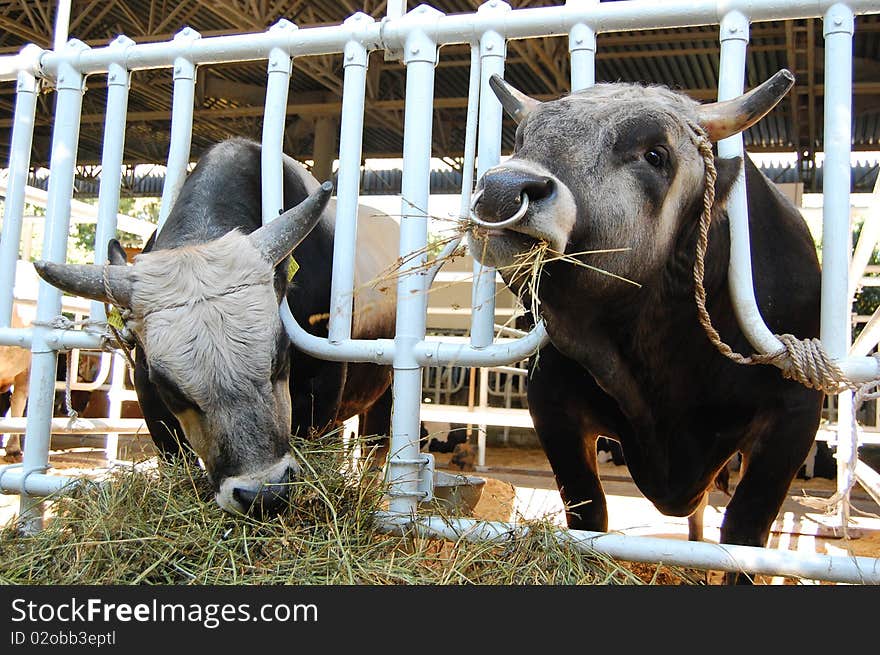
415,37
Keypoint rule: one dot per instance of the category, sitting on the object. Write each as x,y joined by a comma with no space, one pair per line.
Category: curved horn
728,117
278,239
515,102
87,280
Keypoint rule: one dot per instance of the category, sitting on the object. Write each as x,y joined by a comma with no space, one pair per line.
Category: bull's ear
728,170
515,102
116,253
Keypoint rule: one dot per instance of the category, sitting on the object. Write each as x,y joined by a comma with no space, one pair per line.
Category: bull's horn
88,281
728,117
278,239
515,102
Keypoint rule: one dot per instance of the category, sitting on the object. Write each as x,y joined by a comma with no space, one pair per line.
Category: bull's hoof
13,457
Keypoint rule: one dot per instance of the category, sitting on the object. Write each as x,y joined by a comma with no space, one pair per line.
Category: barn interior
787,144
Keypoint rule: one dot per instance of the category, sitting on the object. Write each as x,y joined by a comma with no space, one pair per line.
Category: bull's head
206,317
615,166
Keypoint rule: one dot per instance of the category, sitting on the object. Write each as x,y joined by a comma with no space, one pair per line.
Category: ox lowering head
207,319
614,166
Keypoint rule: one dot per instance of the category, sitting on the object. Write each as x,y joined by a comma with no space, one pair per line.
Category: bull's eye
655,157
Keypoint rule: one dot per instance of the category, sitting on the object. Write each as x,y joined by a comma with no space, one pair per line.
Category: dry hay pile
162,526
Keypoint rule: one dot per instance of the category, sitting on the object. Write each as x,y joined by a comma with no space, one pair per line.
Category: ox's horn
88,281
278,239
515,102
728,117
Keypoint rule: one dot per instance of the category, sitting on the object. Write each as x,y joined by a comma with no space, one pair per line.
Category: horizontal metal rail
392,34
672,552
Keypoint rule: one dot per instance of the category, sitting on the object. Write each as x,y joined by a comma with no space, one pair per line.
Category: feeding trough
455,494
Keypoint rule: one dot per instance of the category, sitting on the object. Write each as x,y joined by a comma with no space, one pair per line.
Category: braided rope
802,360
122,343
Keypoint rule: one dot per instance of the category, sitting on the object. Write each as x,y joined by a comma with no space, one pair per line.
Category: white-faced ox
214,365
617,166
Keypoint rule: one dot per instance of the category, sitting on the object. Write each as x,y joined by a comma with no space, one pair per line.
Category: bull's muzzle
504,196
269,498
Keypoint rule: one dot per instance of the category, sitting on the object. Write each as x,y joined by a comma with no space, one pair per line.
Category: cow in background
15,368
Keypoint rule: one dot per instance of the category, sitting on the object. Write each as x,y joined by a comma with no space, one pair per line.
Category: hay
162,526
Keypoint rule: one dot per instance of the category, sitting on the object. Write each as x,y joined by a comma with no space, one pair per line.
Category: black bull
634,363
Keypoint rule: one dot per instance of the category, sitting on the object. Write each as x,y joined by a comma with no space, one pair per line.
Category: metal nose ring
523,208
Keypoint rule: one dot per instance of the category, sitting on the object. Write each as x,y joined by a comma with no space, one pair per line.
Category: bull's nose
268,499
504,191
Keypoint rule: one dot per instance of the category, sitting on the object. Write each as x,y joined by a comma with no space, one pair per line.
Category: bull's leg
17,405
559,391
695,520
768,469
165,430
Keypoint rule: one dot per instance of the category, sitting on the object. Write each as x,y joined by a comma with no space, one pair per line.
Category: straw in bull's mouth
526,272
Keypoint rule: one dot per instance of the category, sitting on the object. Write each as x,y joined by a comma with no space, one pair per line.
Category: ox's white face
207,319
609,168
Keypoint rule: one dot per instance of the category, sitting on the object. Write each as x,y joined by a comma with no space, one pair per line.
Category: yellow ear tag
114,318
292,268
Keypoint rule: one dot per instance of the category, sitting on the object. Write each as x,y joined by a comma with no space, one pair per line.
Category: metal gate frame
415,37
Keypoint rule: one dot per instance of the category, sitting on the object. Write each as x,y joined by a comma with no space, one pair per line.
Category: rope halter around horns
802,360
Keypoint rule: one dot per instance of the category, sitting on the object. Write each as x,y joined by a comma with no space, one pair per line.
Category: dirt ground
519,484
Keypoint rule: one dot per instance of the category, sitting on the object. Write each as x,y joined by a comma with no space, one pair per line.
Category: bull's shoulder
785,264
773,214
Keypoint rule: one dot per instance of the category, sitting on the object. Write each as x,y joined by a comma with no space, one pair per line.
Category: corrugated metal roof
388,181
231,95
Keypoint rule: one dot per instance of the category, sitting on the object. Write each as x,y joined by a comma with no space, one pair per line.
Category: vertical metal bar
348,184
115,395
13,209
65,140
420,56
62,24
111,159
470,135
492,52
181,126
395,8
582,46
838,29
731,82
280,68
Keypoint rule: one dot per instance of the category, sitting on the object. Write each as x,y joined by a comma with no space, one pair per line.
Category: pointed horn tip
42,266
496,81
784,77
